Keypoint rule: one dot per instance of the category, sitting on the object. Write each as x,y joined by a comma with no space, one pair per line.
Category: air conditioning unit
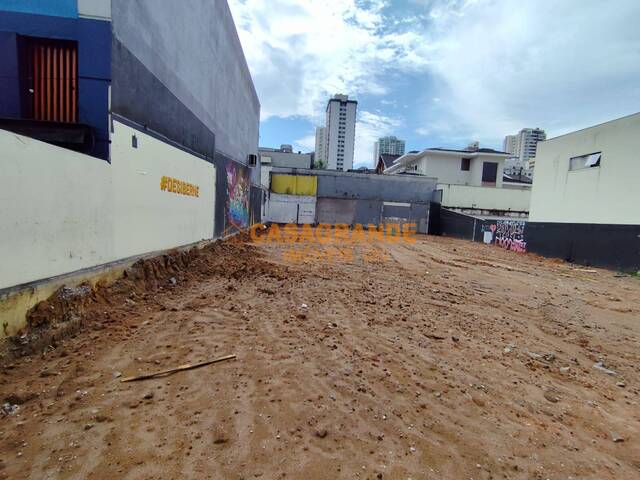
252,160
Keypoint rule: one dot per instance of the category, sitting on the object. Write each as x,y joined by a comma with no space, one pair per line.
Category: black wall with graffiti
509,234
609,246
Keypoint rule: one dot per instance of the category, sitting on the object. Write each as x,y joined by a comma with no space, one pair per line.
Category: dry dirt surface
441,359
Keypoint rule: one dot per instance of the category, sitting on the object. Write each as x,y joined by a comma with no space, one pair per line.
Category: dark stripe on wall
139,96
598,245
255,209
157,136
10,88
457,225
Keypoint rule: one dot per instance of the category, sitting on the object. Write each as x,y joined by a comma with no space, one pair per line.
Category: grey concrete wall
290,160
332,211
376,187
192,49
368,212
388,188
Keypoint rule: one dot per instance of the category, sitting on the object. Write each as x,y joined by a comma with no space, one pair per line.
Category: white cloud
558,65
369,127
490,67
301,53
305,144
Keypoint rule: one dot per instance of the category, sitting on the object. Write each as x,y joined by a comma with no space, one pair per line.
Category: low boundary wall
610,246
63,212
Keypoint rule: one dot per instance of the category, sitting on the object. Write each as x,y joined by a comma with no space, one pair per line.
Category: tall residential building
321,145
340,132
524,144
388,146
510,145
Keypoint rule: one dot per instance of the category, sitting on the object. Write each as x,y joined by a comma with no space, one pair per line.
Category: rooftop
388,159
479,150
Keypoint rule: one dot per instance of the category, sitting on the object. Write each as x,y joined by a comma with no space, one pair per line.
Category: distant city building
387,146
510,145
340,132
524,145
321,145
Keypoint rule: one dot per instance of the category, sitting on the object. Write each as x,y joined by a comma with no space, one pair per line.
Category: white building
387,146
472,167
524,144
340,132
585,196
470,179
321,145
590,176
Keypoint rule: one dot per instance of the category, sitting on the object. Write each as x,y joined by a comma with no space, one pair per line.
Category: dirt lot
441,359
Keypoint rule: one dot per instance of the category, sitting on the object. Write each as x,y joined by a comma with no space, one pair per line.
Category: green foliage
319,165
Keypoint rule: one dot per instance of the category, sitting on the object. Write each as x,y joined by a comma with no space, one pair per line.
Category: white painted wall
485,198
62,211
55,211
283,208
98,9
146,218
608,194
446,167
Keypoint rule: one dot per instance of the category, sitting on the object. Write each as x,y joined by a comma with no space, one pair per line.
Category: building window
50,72
585,161
465,164
489,173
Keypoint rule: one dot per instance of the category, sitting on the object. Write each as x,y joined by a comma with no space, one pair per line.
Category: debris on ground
8,408
601,366
616,437
181,368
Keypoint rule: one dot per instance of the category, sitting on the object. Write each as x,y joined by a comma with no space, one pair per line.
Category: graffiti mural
238,191
509,234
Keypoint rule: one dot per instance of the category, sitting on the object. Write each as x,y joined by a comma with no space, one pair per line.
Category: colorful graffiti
238,188
509,234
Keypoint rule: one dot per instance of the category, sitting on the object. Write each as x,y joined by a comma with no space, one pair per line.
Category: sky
440,73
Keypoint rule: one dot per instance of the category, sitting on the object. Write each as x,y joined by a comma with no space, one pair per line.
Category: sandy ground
441,359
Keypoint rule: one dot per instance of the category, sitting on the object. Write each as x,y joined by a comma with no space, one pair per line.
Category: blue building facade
49,45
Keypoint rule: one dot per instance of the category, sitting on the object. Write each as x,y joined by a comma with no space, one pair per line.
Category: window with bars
50,75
